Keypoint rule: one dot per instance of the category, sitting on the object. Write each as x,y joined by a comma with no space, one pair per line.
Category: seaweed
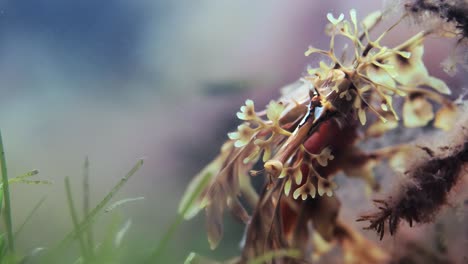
425,191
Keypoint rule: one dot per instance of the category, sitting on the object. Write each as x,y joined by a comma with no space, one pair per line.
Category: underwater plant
108,250
312,132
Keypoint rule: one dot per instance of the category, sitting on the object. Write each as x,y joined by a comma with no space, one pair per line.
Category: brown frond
422,195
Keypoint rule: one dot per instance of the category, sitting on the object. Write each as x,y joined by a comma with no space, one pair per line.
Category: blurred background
119,80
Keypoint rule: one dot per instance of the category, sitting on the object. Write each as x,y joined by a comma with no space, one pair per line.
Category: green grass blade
107,252
30,215
24,179
91,216
119,236
86,205
2,247
74,217
122,202
180,217
28,174
6,197
16,180
1,199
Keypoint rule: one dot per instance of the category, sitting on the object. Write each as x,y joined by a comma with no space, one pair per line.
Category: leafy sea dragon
308,135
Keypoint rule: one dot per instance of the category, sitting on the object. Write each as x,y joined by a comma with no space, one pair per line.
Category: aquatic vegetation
418,199
303,139
103,252
277,172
